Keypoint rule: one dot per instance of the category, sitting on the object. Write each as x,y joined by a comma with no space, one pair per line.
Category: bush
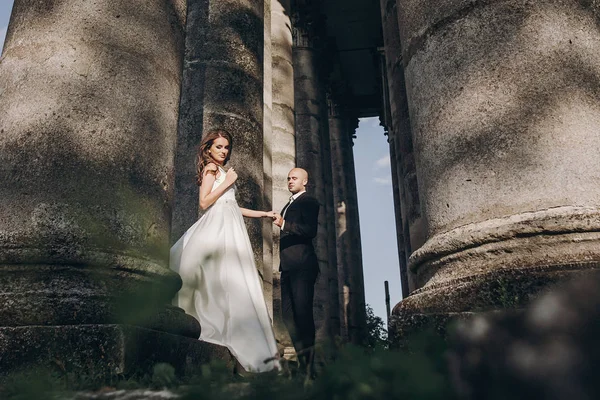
376,333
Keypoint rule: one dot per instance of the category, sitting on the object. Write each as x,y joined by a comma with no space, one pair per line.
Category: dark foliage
376,333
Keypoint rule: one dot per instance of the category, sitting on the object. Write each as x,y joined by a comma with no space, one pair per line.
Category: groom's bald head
297,180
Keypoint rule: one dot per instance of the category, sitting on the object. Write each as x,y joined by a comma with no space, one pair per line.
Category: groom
299,266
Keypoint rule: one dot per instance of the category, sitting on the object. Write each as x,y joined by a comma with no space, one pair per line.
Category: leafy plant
377,335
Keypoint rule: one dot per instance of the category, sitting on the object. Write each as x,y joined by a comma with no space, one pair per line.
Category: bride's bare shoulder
210,168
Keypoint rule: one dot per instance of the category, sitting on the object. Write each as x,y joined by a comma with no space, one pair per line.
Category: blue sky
5,7
376,207
376,212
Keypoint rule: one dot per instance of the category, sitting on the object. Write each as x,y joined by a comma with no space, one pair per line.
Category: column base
404,326
103,352
434,307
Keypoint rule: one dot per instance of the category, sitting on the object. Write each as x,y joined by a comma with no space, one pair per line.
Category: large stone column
385,119
504,104
402,240
312,142
333,307
88,121
283,144
267,224
223,88
411,227
351,290
401,237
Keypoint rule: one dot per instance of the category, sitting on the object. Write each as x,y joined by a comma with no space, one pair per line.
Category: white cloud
372,122
383,162
383,181
2,36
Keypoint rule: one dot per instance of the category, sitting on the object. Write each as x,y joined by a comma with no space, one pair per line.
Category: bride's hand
270,214
231,176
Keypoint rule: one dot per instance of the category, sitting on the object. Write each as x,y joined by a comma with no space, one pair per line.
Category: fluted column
351,291
283,144
223,88
411,228
504,102
312,148
88,121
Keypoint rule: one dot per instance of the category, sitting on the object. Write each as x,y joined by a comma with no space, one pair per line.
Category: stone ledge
101,352
553,221
503,289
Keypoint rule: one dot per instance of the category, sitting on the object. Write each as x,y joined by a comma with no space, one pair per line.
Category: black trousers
297,293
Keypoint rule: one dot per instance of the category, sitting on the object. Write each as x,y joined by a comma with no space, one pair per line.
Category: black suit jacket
296,250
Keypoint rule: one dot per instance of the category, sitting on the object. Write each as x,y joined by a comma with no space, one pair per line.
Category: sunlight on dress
221,286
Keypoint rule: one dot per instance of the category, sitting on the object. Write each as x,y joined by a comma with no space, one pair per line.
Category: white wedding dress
221,286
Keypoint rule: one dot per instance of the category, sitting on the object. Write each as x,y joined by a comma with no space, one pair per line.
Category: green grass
356,373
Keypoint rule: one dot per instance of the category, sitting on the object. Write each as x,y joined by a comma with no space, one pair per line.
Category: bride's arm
209,175
256,214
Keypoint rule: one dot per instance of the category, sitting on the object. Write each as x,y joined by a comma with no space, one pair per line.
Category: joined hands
278,219
275,216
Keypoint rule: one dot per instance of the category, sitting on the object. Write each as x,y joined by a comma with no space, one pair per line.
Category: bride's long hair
203,157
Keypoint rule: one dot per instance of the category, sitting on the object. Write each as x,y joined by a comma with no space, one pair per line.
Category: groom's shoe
310,368
306,362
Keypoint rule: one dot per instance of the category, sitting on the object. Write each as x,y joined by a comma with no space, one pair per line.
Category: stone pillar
223,88
504,103
312,137
411,228
329,208
402,240
283,144
358,328
267,224
88,122
349,255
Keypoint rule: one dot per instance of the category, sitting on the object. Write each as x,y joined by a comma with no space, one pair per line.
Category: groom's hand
278,220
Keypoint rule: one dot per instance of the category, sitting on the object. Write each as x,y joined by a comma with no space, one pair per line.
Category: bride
221,286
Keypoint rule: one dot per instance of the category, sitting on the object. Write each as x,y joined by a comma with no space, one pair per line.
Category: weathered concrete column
351,289
283,144
267,224
88,121
385,120
330,210
402,239
312,143
411,227
504,102
223,88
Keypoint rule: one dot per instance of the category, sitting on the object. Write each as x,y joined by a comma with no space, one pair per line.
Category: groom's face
297,180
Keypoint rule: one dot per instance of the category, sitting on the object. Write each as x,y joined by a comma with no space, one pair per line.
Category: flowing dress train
221,286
